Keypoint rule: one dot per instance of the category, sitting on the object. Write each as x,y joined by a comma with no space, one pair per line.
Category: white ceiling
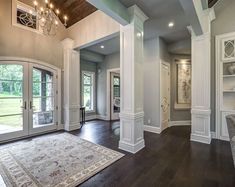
110,46
160,13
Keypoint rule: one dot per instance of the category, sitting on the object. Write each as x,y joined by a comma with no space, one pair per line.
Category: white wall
94,27
15,41
110,62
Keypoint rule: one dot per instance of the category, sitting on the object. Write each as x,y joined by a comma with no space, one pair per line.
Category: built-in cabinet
225,78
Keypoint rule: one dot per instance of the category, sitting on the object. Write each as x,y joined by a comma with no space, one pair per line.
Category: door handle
31,105
25,106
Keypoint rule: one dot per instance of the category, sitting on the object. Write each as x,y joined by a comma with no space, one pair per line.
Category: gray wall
15,41
110,62
224,23
182,114
151,82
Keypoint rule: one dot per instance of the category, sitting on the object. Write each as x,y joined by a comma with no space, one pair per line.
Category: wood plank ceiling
76,10
211,3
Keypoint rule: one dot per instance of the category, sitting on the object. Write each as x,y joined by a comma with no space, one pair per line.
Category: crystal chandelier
46,16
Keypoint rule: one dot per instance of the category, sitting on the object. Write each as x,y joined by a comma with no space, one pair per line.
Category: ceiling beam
191,13
113,8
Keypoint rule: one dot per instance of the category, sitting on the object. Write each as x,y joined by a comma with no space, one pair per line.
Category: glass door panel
13,109
42,102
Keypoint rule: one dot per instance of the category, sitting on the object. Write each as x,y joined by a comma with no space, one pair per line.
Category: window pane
87,97
116,81
87,79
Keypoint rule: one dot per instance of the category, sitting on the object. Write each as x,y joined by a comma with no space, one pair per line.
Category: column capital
136,12
67,43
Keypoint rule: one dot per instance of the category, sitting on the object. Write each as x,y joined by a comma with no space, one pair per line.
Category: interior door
13,100
115,96
42,99
165,95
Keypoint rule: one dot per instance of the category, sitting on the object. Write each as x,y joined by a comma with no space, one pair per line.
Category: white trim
73,127
179,123
132,148
105,118
201,138
91,117
93,90
152,129
213,135
29,60
108,91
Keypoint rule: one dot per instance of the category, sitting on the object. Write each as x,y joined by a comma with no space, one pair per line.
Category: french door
28,99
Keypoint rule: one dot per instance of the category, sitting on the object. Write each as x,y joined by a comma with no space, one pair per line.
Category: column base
132,148
200,138
72,127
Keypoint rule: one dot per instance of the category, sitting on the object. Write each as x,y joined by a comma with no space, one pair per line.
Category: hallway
169,159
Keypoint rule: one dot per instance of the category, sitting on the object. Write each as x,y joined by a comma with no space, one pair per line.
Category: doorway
165,95
115,95
28,99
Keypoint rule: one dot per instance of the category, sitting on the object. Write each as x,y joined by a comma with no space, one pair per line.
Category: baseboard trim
179,123
152,129
200,138
105,118
213,135
73,127
91,117
131,148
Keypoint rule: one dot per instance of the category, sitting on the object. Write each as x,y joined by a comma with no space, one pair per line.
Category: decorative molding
73,127
91,117
136,11
132,148
213,135
201,138
132,116
179,123
105,118
152,129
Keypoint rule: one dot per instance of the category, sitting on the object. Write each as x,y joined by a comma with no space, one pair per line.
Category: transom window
88,87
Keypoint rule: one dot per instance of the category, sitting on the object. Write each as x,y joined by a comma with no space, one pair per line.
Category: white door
28,99
115,96
165,95
42,99
13,100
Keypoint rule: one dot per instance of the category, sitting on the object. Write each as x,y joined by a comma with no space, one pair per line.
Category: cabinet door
228,49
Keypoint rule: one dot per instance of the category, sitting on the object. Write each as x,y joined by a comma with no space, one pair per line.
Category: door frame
169,66
113,116
20,60
108,91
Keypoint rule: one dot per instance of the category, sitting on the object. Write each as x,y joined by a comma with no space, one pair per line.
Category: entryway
115,95
28,99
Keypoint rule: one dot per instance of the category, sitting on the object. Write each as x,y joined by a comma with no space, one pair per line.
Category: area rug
59,160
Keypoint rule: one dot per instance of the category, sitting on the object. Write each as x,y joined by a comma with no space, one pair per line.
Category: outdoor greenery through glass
11,92
88,79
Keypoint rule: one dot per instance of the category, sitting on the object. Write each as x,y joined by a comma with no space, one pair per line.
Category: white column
132,115
201,78
71,86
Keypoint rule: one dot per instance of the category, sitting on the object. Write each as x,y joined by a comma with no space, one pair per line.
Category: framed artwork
183,89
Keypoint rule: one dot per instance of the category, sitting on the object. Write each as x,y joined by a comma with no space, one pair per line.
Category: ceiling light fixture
102,47
171,24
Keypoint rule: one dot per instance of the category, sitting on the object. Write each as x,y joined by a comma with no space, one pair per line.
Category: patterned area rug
61,160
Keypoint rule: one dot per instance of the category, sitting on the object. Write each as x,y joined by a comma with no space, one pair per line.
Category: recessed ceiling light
102,47
171,24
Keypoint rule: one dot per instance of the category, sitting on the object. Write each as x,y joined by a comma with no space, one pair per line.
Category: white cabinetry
225,82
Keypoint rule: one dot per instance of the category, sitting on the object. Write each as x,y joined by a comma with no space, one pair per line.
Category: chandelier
45,16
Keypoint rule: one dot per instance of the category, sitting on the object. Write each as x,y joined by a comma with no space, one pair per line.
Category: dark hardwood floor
169,159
